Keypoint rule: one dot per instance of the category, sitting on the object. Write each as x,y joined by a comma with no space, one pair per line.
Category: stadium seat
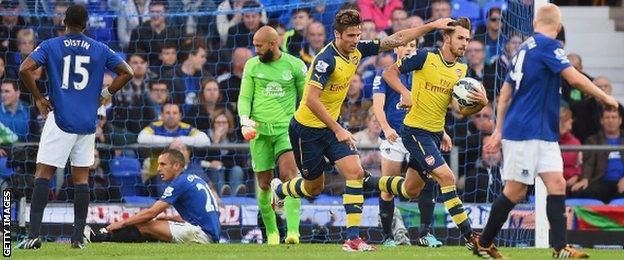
467,9
583,202
235,200
617,202
5,172
372,201
127,174
328,200
142,200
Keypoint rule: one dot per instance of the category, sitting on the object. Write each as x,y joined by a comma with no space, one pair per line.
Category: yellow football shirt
432,88
332,72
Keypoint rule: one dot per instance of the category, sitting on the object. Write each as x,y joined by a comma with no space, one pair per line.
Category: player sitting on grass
198,221
435,74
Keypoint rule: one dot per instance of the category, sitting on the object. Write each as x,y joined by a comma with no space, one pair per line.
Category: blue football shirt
75,66
195,203
394,115
535,79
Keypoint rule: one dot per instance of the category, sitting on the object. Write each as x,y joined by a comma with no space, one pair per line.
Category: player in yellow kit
315,133
435,74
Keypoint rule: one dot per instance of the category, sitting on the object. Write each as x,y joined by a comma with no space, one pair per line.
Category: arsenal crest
355,60
430,160
458,72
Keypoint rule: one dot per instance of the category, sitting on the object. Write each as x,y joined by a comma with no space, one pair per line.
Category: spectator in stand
187,76
210,102
16,114
586,122
294,38
511,45
226,162
169,60
130,15
482,183
151,36
355,108
203,24
241,34
379,11
226,22
11,24
231,80
568,93
490,33
138,114
399,21
603,172
101,22
325,13
369,136
478,69
53,27
439,9
369,32
281,31
137,86
571,160
315,41
26,42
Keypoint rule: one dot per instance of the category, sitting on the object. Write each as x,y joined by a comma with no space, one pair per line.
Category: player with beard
434,75
272,82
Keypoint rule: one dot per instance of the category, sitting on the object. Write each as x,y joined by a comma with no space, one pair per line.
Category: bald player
530,136
272,82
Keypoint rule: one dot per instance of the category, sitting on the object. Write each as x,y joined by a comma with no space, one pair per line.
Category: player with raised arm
314,131
192,198
272,82
530,136
75,66
435,74
393,154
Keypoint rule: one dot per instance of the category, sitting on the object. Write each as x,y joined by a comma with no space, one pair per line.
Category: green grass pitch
290,252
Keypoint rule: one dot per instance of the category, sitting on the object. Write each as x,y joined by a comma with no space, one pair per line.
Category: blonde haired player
530,136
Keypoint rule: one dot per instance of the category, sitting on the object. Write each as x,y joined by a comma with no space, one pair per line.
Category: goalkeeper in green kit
272,82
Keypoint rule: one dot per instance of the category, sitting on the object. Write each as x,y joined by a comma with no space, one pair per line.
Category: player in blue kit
528,124
198,221
75,66
393,154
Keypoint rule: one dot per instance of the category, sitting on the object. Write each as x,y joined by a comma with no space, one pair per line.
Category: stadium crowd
187,75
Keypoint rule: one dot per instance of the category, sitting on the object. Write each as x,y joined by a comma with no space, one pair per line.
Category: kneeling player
190,196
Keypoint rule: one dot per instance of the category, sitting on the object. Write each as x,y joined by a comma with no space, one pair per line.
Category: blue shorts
312,145
424,149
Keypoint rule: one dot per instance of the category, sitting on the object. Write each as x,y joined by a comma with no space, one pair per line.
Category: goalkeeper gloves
248,128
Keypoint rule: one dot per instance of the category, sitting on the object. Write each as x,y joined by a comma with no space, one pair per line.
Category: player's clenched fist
248,128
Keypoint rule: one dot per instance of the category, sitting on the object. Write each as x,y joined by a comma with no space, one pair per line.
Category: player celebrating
314,131
271,83
530,136
75,66
198,221
393,153
435,73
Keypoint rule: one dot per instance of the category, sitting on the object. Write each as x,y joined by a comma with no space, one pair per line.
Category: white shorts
56,146
394,151
187,233
523,160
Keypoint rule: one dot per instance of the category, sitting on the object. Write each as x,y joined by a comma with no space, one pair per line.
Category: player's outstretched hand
114,226
494,143
444,24
44,106
447,144
391,134
610,103
478,96
346,137
405,102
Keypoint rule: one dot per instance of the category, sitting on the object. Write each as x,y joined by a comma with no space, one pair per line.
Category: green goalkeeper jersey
269,92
